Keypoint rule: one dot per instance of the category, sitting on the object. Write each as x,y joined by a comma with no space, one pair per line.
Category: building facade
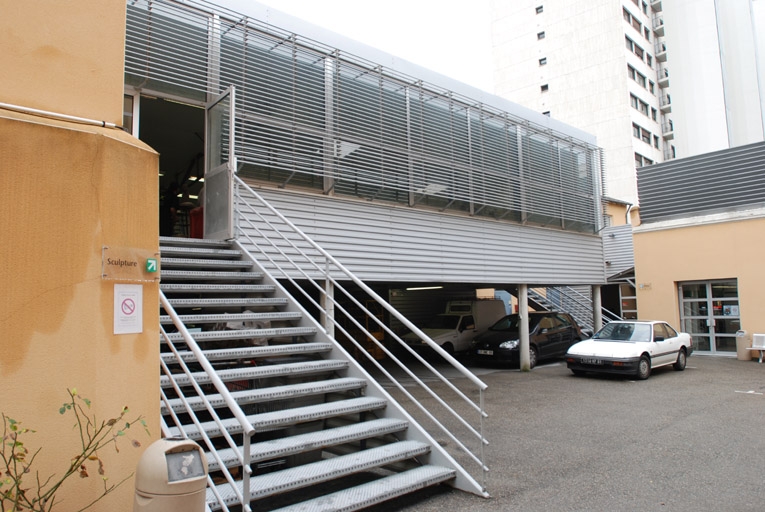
698,247
595,65
605,66
717,59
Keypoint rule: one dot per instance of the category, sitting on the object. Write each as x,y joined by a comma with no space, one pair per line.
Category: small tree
18,494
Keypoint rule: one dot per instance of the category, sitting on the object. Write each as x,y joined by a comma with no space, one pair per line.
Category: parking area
679,441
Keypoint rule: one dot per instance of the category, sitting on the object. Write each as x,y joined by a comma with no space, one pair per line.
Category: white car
631,347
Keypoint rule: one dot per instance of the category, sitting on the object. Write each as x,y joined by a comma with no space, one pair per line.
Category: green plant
18,494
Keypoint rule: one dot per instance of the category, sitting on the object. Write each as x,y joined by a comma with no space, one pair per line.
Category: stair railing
243,454
573,302
292,255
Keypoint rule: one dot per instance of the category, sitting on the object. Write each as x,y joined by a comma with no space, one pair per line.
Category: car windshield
617,331
443,322
512,323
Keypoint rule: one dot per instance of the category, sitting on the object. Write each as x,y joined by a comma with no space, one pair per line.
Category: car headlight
509,345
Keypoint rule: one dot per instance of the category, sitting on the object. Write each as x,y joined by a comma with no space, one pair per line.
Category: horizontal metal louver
732,179
309,115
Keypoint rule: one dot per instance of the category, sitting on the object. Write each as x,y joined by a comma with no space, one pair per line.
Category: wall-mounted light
424,288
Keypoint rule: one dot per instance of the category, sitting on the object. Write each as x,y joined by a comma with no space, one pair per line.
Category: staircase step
270,394
228,302
302,443
260,372
202,263
277,420
269,316
243,334
378,491
217,288
250,352
199,252
194,242
299,477
202,275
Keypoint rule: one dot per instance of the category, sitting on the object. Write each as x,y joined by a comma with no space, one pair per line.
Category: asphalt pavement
679,441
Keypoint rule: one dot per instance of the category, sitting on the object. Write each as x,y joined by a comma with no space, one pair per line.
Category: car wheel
644,368
449,348
533,356
681,360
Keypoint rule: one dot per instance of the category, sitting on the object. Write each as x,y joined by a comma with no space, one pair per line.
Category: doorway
709,312
176,131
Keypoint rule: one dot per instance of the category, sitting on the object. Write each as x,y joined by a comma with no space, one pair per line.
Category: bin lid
171,466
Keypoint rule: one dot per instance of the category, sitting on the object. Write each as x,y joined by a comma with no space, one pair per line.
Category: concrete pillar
597,308
523,314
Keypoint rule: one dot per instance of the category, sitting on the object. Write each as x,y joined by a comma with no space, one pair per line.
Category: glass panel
727,325
629,315
694,291
695,308
629,304
695,325
701,343
725,343
627,290
724,289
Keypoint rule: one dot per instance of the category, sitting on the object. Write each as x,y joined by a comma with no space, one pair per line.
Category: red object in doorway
196,219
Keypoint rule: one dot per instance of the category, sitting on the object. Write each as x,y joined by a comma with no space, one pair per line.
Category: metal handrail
287,250
248,430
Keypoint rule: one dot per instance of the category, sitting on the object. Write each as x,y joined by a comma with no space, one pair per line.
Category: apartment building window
639,104
647,34
544,88
651,87
540,9
629,44
653,113
639,52
635,131
646,136
640,160
540,35
543,61
656,142
636,2
649,60
546,113
645,8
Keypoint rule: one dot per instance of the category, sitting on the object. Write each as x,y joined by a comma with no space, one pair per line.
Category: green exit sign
151,265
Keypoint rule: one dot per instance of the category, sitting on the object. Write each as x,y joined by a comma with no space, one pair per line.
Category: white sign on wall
128,308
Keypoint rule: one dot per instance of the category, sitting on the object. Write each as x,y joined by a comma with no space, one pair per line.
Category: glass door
709,312
220,165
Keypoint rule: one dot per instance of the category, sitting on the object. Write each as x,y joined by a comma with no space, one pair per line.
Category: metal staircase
570,300
288,419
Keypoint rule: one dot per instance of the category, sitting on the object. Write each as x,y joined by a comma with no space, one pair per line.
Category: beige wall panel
65,57
68,190
713,251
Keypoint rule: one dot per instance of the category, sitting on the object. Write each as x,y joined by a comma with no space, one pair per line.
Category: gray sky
451,37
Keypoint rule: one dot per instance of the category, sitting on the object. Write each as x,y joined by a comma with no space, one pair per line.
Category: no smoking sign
128,307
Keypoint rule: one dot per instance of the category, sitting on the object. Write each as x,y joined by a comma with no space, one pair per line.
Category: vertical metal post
597,308
523,320
328,304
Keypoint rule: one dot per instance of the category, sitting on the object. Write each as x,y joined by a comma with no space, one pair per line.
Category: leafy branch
17,495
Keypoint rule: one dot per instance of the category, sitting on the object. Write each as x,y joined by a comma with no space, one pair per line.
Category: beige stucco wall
64,56
68,190
712,251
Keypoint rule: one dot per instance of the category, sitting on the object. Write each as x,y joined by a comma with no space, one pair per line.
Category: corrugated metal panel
731,179
389,244
618,248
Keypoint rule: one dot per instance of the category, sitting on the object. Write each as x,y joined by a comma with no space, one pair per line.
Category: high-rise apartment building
604,66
